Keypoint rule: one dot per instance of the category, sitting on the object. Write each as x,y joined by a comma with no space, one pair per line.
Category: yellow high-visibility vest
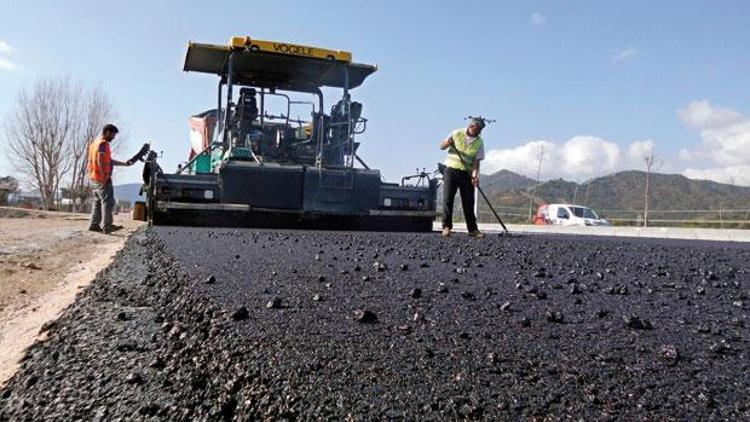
468,152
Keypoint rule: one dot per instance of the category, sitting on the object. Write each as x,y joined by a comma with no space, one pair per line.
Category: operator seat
338,118
248,105
246,110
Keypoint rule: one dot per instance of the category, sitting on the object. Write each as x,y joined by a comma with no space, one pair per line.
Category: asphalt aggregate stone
629,338
274,303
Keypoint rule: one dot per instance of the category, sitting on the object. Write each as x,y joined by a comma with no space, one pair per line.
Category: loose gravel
212,324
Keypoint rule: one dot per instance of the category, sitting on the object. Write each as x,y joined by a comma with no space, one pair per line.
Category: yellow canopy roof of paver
277,65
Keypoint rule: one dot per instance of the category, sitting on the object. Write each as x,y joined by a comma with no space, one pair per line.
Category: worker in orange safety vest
100,166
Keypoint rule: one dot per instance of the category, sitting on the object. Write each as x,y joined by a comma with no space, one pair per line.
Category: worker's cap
478,122
110,128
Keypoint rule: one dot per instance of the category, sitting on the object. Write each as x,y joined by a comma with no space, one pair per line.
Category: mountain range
128,192
622,194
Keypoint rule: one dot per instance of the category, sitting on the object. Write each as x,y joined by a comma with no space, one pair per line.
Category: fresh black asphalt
211,324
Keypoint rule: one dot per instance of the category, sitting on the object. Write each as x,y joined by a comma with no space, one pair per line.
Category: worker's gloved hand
129,163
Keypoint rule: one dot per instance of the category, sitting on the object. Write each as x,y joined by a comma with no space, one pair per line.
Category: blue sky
595,83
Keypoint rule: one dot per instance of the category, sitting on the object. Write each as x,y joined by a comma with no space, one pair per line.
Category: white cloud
6,65
5,47
725,143
686,155
723,155
725,133
703,115
640,149
585,156
537,19
735,175
624,55
521,159
580,158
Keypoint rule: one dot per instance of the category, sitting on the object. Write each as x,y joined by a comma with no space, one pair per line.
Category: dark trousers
460,180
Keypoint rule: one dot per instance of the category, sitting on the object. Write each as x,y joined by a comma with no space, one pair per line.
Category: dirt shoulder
45,259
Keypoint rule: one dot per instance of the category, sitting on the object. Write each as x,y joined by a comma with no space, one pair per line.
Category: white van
568,215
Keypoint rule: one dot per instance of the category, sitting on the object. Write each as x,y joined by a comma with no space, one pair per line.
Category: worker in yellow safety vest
462,174
100,166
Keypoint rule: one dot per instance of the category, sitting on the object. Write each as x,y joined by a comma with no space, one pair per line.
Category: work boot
96,229
476,233
446,232
112,228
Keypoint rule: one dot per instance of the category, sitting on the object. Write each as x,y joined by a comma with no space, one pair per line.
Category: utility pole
645,199
540,158
588,187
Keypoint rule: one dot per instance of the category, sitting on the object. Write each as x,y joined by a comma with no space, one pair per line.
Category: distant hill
505,181
128,192
625,191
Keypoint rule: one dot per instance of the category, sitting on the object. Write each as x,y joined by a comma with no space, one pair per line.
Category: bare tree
653,162
540,159
96,111
48,135
38,132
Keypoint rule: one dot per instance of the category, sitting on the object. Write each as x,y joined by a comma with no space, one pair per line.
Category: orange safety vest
96,172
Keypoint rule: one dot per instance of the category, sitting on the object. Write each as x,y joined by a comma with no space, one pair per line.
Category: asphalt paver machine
253,168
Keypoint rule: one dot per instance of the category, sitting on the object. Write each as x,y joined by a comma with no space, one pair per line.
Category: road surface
230,324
